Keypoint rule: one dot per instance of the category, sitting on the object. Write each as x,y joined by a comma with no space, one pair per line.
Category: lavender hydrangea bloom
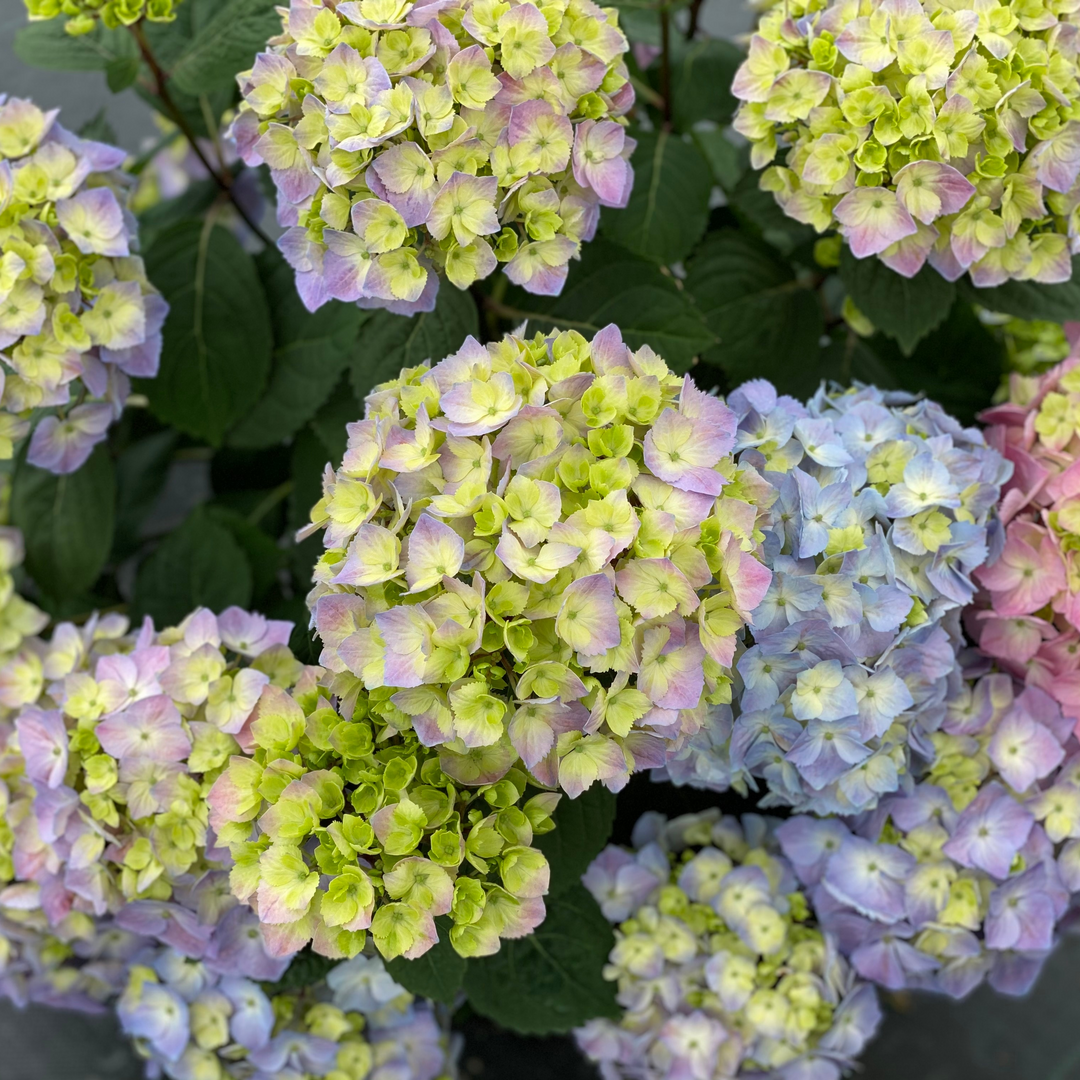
881,509
697,963
966,877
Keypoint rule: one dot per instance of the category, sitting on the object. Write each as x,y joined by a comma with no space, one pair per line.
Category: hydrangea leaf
67,522
1029,299
198,565
48,45
767,323
906,309
669,206
216,355
391,342
310,352
582,828
223,45
611,284
438,974
701,81
550,981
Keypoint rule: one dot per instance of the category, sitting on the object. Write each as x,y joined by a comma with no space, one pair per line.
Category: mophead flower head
966,876
115,741
539,550
78,317
881,509
922,130
721,968
410,141
1029,617
191,1020
83,15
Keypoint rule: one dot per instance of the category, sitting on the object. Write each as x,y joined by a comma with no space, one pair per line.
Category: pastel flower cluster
193,1021
78,317
539,550
115,741
721,968
409,140
965,877
1031,624
340,821
880,514
940,131
83,15
19,619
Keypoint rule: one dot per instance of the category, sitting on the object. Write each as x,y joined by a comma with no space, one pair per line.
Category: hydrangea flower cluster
966,876
19,619
940,131
341,821
83,15
78,317
720,966
194,1022
880,513
1031,624
409,140
115,741
540,550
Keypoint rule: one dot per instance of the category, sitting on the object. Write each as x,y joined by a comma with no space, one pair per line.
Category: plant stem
665,63
695,12
222,178
280,493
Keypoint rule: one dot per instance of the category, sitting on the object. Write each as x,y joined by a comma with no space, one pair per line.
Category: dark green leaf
1029,299
224,45
47,45
906,309
141,471
389,343
768,323
727,161
669,206
582,828
217,346
311,350
264,557
551,980
67,522
758,211
198,565
612,285
959,364
121,73
437,974
309,456
307,969
701,76
330,423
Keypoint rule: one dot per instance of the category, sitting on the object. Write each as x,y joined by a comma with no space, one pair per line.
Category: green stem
281,492
223,179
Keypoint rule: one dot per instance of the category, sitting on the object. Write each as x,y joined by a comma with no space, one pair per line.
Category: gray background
986,1038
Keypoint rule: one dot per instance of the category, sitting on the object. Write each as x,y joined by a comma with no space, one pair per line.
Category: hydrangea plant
721,967
922,130
409,140
539,549
78,317
880,513
965,877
